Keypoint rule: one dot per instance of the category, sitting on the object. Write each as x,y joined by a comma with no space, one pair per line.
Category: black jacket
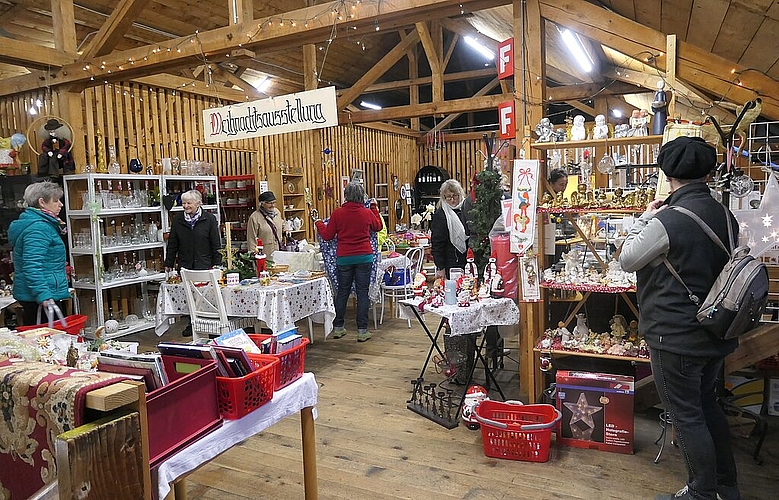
445,255
667,315
196,247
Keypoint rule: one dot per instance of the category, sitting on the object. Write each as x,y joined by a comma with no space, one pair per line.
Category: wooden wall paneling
112,126
129,124
187,119
100,119
148,142
122,128
164,122
180,124
139,131
89,128
159,152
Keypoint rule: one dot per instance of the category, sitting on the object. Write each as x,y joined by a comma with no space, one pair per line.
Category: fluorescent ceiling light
616,113
577,50
369,105
479,47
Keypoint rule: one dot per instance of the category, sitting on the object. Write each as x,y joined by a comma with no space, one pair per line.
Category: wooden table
300,396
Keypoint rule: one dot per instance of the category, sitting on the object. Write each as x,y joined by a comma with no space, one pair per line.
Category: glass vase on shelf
113,165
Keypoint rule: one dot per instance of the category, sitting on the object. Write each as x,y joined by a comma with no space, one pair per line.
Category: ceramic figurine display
621,130
578,132
601,128
260,258
660,109
580,331
544,129
470,265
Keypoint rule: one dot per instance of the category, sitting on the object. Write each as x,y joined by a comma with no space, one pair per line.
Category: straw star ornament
758,228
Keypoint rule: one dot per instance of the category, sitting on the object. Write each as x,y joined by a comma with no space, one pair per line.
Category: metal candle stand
439,406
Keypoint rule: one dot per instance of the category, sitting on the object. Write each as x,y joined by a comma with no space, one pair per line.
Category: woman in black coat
448,234
194,236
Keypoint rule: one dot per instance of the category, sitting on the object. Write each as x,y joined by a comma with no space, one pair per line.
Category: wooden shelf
553,352
620,141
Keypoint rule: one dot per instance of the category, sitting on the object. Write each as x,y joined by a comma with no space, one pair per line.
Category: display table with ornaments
470,320
299,396
279,304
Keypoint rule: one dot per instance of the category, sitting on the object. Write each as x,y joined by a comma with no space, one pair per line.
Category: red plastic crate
184,410
75,323
239,396
291,362
516,431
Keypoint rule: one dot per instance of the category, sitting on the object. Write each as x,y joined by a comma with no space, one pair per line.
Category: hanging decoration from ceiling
759,229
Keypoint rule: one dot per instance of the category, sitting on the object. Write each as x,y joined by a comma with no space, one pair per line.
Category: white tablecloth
291,399
478,315
279,305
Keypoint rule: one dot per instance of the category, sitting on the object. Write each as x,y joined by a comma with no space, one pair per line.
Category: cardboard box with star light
597,410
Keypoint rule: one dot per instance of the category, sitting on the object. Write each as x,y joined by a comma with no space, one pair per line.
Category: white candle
228,247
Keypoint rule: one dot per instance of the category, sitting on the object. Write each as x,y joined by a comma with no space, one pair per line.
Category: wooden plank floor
369,446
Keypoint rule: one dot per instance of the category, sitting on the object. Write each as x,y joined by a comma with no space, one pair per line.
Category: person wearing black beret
686,359
265,223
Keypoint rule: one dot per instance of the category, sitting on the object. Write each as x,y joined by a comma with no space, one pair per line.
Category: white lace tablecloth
374,292
477,316
279,305
300,394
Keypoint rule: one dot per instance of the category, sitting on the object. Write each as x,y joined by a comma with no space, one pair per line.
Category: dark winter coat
39,257
445,255
196,247
667,315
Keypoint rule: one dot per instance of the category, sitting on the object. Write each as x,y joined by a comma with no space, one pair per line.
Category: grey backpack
738,296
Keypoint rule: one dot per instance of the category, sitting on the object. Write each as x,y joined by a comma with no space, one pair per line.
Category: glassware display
113,165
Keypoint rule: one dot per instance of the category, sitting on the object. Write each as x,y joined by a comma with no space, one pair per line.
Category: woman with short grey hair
352,223
194,239
39,255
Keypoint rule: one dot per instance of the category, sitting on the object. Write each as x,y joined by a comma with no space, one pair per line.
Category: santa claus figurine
470,265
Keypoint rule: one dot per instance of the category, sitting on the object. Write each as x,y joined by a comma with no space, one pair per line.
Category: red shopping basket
515,431
75,323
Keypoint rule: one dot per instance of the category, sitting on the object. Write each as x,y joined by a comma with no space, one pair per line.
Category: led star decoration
581,410
758,228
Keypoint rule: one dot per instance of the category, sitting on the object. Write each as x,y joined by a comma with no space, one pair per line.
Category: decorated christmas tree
486,210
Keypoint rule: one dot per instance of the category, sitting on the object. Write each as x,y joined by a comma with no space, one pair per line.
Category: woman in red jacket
352,224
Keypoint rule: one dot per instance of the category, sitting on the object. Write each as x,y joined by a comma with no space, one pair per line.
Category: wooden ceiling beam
114,29
590,90
64,25
378,69
694,66
434,60
185,85
257,35
427,80
426,109
582,107
236,81
241,11
33,56
482,91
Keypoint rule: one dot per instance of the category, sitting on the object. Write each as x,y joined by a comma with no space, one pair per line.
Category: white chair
414,258
207,310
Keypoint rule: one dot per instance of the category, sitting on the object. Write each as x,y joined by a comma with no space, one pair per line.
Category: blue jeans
687,386
360,275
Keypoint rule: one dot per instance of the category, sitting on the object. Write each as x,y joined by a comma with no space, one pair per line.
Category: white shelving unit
173,185
115,245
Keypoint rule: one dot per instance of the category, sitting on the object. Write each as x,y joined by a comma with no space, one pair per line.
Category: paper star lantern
759,229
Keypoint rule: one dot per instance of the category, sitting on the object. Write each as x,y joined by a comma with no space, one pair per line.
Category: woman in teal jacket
39,252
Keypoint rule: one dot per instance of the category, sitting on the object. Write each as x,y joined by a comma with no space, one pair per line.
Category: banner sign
506,58
523,210
289,113
506,119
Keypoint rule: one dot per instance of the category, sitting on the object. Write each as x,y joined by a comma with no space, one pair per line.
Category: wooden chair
207,310
415,257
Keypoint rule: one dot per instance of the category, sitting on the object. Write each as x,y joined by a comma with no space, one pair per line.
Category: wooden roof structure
408,54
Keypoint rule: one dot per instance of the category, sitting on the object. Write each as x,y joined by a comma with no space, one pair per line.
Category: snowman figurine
470,265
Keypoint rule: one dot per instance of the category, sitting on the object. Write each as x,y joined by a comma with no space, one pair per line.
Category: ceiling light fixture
616,113
577,50
369,105
479,47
